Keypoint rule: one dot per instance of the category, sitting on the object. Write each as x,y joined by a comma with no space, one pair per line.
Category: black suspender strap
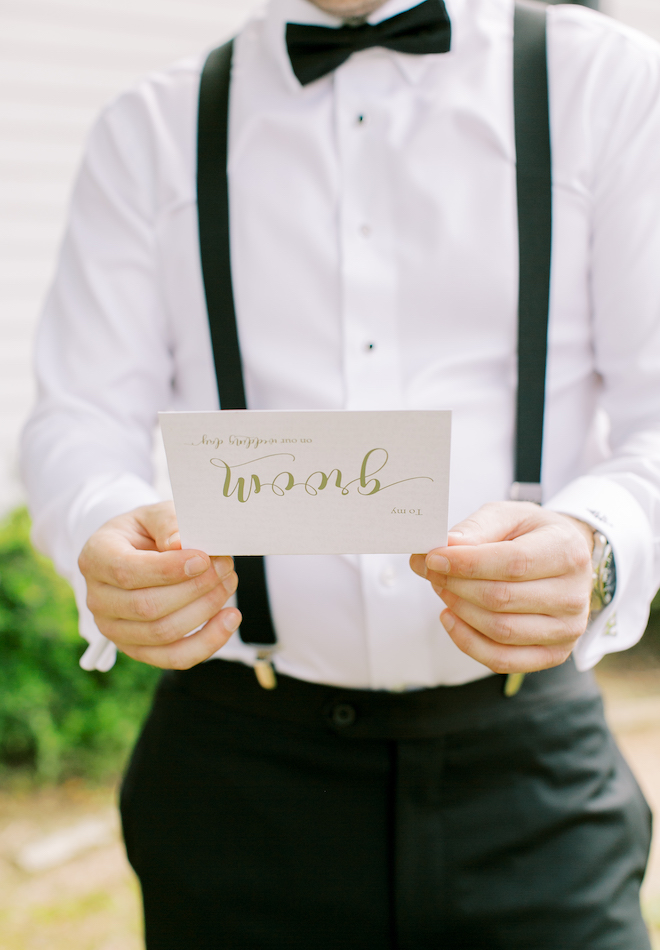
534,185
213,211
534,188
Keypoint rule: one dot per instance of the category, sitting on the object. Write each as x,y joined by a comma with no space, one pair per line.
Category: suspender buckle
526,491
264,669
512,684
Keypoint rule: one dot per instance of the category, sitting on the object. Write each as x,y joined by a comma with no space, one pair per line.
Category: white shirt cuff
610,508
101,499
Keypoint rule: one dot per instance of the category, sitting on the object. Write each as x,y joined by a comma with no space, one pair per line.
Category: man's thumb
161,524
496,521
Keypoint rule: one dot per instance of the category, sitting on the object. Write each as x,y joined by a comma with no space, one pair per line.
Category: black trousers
316,818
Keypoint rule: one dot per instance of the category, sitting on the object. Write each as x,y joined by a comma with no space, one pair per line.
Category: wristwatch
604,574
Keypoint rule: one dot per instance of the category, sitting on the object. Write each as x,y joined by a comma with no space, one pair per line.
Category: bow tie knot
315,51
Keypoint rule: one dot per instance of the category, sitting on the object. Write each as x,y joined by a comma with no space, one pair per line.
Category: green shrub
57,720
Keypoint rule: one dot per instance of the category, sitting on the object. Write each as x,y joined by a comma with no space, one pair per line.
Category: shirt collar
280,12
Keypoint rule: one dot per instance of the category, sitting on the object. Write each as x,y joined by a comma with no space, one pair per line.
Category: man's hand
517,581
146,593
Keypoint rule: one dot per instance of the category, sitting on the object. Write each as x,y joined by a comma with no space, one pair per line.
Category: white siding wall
60,60
642,14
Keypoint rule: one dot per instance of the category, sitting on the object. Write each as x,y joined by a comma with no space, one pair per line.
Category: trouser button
342,715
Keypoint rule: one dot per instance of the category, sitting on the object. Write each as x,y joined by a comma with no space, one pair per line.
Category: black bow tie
317,50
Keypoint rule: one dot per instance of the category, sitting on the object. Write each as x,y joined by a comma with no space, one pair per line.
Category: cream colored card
252,482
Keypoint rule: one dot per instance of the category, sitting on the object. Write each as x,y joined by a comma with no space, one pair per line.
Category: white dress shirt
374,253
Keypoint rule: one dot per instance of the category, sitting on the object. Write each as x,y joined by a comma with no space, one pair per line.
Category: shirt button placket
369,275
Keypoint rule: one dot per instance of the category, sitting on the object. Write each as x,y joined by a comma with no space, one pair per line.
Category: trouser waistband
375,714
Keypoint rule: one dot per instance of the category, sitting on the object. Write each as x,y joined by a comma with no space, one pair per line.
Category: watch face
608,576
604,582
